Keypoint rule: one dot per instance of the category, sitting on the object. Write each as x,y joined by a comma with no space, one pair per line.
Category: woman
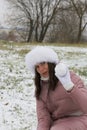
61,97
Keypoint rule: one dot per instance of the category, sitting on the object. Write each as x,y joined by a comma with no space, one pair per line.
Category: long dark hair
52,80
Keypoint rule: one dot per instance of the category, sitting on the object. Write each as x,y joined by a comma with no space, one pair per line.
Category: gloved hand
62,73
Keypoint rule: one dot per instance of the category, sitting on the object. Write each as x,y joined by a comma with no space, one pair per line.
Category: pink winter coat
58,104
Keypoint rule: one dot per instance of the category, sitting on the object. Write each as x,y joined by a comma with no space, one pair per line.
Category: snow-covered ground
17,102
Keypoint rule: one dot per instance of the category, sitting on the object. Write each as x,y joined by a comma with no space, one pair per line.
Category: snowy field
17,102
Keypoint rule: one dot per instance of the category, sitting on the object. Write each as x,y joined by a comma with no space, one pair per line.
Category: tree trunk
79,31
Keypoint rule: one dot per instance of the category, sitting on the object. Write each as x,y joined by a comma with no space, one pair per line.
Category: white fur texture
38,55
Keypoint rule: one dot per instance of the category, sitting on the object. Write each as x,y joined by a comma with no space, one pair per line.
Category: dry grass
5,45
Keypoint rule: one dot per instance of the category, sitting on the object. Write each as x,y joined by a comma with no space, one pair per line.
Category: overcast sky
3,11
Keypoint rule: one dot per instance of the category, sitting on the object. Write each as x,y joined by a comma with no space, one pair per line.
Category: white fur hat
40,54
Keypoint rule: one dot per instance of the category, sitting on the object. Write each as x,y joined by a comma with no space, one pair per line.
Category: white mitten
62,73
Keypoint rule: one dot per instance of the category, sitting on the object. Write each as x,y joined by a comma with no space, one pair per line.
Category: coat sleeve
43,115
79,93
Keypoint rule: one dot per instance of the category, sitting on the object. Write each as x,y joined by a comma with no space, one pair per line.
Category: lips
45,74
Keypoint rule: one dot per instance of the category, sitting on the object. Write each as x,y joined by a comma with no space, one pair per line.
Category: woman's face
42,69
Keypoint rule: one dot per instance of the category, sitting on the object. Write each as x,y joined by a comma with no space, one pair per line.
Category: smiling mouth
45,73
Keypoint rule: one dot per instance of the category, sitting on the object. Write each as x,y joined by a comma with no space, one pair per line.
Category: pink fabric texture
54,108
70,123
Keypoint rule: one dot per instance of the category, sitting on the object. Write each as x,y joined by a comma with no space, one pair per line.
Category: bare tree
34,15
80,7
48,10
65,25
69,25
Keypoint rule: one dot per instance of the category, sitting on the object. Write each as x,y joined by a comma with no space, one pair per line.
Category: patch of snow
17,101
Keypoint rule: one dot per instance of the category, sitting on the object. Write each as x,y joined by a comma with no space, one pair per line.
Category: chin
45,75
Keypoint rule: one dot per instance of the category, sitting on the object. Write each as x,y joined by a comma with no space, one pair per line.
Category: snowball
61,69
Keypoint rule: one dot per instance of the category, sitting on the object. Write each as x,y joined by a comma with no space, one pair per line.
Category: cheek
39,70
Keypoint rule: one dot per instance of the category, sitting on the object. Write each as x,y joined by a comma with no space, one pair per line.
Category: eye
42,63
